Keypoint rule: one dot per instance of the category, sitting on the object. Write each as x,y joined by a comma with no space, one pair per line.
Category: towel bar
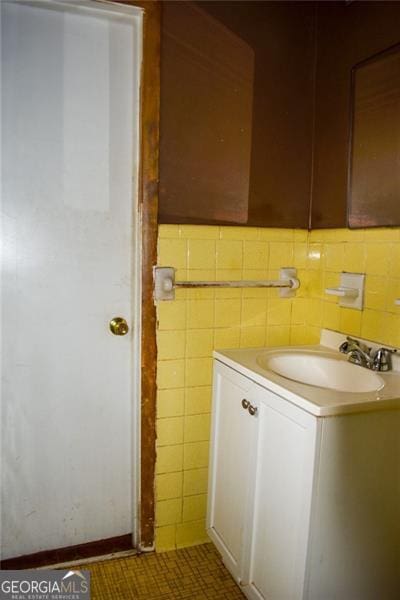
165,284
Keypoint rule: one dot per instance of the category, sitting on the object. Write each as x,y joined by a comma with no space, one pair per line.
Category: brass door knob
118,326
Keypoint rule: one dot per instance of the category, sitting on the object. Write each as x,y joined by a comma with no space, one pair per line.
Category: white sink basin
320,369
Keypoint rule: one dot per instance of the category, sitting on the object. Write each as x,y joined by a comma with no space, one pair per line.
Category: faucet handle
345,346
382,359
352,343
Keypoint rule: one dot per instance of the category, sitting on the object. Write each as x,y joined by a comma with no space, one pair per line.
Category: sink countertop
321,402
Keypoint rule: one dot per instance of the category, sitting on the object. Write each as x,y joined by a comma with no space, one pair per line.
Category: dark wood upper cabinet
374,181
236,125
347,34
206,118
256,114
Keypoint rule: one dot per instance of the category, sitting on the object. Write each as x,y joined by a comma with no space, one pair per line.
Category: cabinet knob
252,410
245,404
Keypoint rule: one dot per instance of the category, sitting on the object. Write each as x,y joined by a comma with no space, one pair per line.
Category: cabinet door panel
375,153
206,119
235,113
282,499
233,434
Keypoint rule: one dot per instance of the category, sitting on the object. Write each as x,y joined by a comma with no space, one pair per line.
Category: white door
70,81
232,468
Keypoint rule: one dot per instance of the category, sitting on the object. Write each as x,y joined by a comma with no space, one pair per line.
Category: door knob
118,326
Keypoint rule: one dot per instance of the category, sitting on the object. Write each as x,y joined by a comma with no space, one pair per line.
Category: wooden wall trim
150,115
148,204
121,543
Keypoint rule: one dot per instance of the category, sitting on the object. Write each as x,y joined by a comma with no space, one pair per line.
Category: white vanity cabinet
261,477
303,507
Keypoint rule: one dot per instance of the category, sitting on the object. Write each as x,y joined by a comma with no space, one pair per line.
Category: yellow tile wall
375,252
198,321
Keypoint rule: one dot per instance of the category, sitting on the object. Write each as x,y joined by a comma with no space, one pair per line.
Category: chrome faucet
363,355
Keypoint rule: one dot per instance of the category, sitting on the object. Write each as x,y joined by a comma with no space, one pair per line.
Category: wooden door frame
148,215
148,201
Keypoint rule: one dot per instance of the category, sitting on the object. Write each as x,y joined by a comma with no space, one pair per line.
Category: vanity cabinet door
232,466
282,499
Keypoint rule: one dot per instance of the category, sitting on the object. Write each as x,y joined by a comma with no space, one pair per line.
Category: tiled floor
190,573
